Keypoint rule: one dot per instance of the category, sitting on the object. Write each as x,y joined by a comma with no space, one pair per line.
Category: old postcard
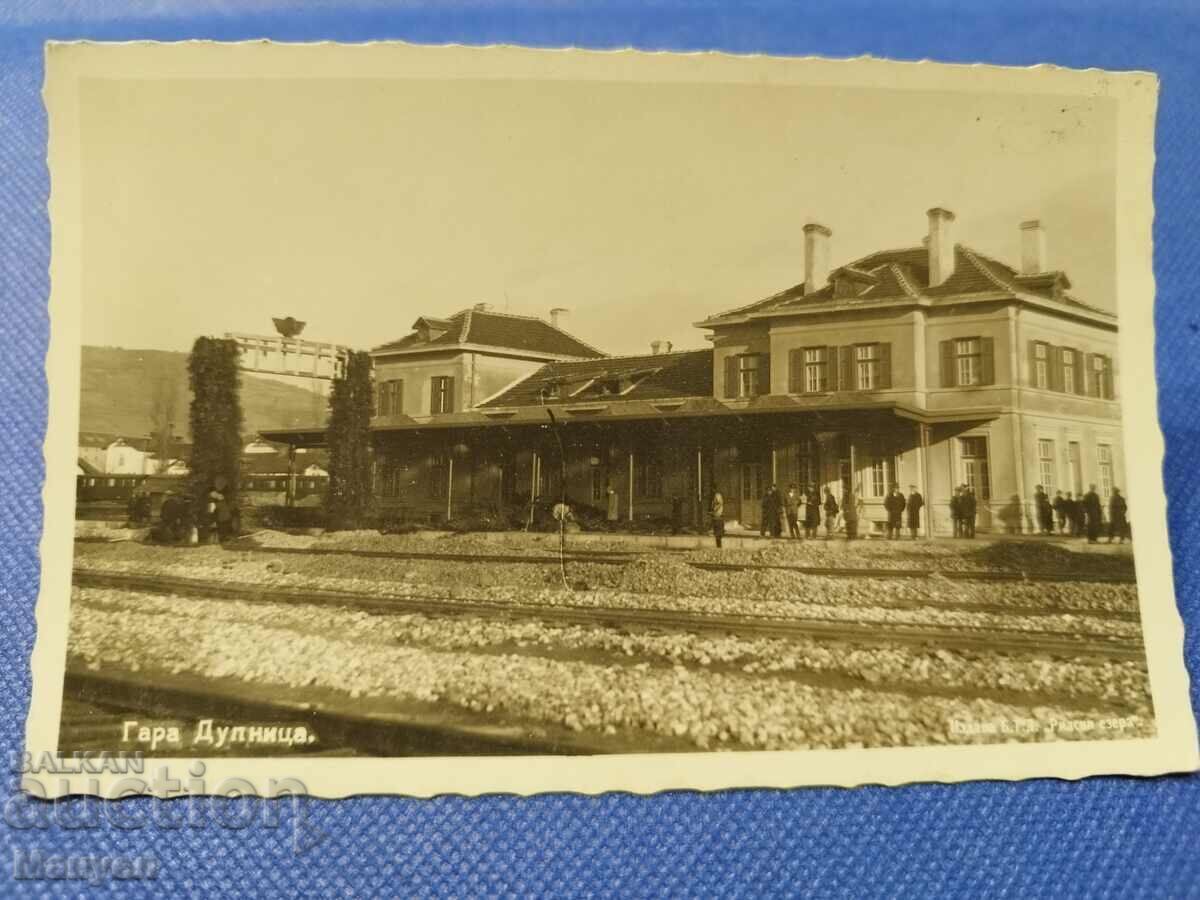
444,419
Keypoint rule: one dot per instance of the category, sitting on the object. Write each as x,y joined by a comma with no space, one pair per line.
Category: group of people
178,519
964,509
808,508
1082,515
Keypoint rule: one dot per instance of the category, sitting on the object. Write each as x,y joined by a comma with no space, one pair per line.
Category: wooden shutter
433,395
1056,368
1033,348
1110,385
846,368
448,406
831,369
731,377
795,372
1091,384
885,366
764,373
398,397
381,407
987,360
949,371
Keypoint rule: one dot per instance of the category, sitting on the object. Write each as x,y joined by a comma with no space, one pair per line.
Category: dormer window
429,329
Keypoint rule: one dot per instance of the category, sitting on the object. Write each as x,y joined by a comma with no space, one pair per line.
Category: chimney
816,256
656,347
1033,248
941,245
482,307
558,316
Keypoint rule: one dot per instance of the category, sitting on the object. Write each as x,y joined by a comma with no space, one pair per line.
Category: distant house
93,449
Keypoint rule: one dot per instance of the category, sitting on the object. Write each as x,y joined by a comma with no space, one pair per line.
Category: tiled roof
500,330
663,376
904,274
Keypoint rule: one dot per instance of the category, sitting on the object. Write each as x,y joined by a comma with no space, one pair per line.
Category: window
753,481
967,358
806,463
866,366
439,477
1046,464
975,475
441,394
1068,370
647,474
881,470
1041,365
1099,381
599,482
747,375
816,370
968,362
1104,458
390,399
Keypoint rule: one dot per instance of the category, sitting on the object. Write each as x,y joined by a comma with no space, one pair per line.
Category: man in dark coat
894,504
1060,511
1093,513
1045,512
956,511
812,512
1118,521
969,511
770,512
850,505
791,506
913,505
831,513
1074,515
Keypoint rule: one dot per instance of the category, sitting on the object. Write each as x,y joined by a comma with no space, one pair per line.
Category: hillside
122,389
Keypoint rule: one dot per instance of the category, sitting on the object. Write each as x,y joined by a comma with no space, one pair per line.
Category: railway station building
931,366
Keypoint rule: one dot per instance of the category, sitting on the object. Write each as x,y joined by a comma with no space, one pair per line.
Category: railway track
621,557
934,637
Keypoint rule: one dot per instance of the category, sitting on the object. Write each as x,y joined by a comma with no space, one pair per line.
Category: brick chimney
558,316
816,256
940,245
1033,247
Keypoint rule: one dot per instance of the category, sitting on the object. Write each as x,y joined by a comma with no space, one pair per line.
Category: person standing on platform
1093,513
831,513
1045,512
1074,514
970,509
913,506
614,505
894,504
1060,511
791,505
812,512
716,512
770,512
956,512
1118,517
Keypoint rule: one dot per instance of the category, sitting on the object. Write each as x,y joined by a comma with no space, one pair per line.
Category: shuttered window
389,399
1098,375
1039,365
441,394
968,362
747,375
808,370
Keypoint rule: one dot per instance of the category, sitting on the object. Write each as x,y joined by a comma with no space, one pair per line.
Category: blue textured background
1102,837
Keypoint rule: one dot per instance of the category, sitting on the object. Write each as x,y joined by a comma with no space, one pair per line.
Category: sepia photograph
709,415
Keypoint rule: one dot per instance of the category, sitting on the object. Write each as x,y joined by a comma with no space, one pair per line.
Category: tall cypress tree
215,417
348,499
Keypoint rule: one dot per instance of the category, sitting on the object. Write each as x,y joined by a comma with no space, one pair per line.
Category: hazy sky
212,205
